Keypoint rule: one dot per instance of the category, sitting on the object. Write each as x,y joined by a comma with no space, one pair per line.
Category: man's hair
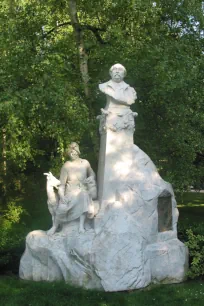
118,66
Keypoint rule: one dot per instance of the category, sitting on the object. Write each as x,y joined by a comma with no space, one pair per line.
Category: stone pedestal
115,159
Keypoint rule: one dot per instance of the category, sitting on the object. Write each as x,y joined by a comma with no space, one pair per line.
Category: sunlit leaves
43,106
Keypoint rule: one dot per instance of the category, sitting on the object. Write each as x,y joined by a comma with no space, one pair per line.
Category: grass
191,207
14,292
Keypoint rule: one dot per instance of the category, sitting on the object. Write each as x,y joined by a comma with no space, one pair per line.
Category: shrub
11,238
193,237
195,243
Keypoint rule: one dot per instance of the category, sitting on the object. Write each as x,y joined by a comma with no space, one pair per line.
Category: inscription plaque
164,214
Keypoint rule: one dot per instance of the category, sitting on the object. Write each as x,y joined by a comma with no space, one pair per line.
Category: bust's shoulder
103,86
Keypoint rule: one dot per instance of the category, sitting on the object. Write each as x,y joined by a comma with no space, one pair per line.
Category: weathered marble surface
127,252
132,241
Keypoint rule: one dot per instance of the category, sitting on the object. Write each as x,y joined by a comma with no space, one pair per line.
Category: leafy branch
94,30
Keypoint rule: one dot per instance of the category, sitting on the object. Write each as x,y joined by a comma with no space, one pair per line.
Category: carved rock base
116,259
134,242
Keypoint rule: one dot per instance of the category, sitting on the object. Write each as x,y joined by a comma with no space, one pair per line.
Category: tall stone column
115,159
116,136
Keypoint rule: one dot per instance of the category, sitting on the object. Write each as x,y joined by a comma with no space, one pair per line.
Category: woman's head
73,151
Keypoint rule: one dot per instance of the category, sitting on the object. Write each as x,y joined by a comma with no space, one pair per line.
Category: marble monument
119,233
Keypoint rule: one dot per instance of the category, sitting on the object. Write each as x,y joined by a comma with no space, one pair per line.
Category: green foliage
11,237
42,103
195,244
191,230
193,237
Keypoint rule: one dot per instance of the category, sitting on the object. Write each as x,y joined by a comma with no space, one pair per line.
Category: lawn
191,207
14,292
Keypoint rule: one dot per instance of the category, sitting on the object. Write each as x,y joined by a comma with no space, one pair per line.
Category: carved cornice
116,120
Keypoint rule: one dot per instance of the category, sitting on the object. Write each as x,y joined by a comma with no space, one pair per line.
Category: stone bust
119,94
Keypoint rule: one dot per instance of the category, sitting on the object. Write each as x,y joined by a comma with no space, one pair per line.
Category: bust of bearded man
119,94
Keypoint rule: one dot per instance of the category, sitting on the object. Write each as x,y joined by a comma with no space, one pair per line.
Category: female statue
76,191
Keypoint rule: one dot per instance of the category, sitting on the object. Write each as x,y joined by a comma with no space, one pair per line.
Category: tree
54,54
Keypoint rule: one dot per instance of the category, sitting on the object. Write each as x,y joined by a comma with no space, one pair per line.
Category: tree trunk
83,64
83,56
4,158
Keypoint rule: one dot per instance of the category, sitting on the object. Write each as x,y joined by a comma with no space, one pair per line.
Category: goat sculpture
52,194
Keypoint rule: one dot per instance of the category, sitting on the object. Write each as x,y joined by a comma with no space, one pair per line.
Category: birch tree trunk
4,151
4,158
83,56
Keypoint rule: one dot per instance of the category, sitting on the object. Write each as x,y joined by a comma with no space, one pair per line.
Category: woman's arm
63,181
